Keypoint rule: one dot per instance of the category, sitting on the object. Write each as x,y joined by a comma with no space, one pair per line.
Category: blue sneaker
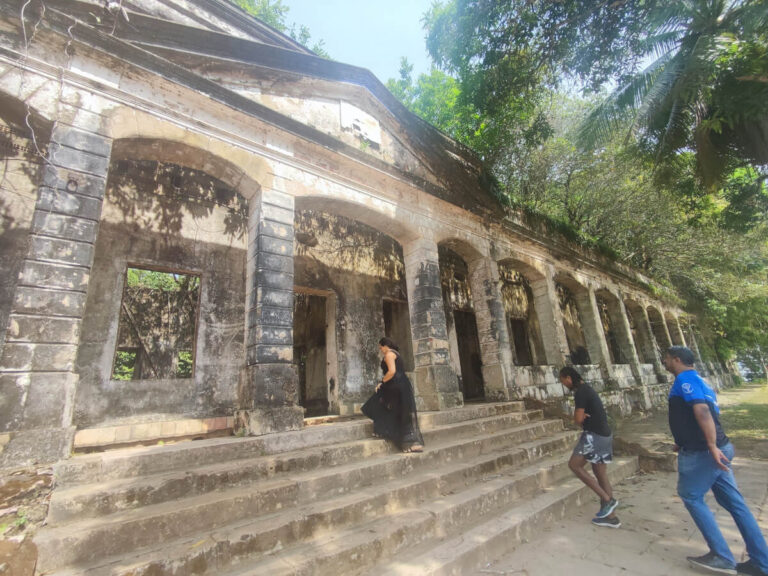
607,508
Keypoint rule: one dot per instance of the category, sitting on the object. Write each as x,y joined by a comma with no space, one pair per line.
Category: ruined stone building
204,222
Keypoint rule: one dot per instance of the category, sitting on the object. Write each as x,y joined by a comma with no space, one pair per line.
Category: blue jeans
697,474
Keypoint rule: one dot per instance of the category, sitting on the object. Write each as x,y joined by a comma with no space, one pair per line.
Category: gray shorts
594,448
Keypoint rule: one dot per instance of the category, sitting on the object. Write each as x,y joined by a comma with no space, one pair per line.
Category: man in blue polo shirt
703,462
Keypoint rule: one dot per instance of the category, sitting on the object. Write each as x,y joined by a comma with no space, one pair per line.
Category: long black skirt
393,411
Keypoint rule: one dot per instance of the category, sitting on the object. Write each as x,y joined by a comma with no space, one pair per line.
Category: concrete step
235,544
103,498
466,552
89,539
145,460
528,498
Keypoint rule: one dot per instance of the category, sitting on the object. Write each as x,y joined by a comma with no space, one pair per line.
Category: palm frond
620,107
660,44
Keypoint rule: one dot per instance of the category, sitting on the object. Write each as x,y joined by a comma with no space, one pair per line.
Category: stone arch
18,115
228,162
178,152
384,221
573,298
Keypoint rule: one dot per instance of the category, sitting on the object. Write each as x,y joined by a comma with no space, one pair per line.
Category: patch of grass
747,416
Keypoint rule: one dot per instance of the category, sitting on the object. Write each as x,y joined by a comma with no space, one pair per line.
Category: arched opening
350,290
463,334
520,311
642,337
610,312
570,293
675,332
163,330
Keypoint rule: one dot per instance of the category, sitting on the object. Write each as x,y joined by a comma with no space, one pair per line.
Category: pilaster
495,348
37,377
436,384
268,393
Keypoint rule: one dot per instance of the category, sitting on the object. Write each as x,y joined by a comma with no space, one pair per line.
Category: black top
587,398
688,390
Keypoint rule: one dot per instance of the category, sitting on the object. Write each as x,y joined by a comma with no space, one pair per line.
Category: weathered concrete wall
362,267
167,217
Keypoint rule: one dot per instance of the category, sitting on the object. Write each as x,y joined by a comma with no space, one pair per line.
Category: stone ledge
90,439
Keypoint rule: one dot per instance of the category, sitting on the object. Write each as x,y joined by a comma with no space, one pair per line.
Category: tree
498,49
704,85
705,88
274,13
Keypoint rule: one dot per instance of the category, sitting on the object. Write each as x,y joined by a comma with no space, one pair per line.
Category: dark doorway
397,326
310,352
469,355
518,328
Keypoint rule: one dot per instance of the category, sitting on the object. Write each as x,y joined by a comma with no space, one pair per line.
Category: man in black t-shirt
594,446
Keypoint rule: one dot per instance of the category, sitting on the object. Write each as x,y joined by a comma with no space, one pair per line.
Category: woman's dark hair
566,371
389,343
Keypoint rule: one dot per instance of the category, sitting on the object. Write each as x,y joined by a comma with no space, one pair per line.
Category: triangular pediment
338,106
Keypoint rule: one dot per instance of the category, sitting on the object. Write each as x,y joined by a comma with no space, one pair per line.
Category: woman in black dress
393,407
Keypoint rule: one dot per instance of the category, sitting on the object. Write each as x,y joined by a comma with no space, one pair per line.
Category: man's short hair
682,353
566,371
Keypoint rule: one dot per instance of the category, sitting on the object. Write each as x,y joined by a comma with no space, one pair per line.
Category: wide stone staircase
327,499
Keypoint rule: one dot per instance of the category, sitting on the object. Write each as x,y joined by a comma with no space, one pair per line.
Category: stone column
495,348
550,316
624,334
37,378
626,341
661,372
675,332
268,393
437,386
593,331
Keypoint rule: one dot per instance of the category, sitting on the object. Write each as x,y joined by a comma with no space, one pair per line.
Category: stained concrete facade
184,136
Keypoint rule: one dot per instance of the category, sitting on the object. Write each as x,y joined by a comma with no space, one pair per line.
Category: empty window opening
157,326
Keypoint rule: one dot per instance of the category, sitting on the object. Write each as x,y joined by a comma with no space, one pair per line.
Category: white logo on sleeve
687,388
